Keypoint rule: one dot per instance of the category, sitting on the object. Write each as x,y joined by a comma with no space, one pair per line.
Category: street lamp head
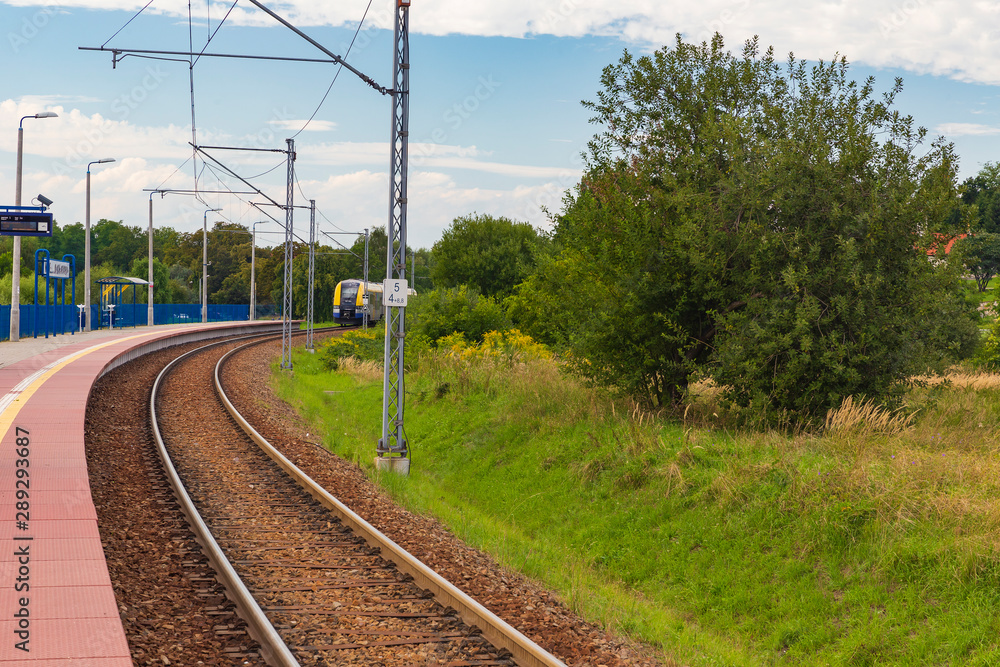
103,160
41,114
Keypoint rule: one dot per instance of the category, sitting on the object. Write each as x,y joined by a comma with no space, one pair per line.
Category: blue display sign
25,221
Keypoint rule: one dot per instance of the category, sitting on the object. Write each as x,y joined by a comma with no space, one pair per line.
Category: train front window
348,294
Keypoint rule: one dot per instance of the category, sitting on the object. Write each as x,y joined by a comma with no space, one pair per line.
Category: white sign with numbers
394,293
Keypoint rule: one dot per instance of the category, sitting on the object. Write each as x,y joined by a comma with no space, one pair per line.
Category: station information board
25,221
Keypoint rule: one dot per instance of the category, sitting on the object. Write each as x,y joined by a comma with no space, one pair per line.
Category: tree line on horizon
118,249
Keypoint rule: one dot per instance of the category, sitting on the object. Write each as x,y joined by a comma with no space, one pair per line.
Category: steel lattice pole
286,305
367,299
312,273
393,443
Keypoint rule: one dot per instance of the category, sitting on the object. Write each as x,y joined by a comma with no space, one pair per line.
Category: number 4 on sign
394,293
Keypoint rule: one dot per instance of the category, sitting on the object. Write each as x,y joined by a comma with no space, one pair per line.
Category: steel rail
499,633
273,648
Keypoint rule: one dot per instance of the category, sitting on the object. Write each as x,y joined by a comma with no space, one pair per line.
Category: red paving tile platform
57,606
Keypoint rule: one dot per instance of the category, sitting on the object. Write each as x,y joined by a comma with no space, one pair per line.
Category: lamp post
86,250
15,286
253,270
149,309
204,266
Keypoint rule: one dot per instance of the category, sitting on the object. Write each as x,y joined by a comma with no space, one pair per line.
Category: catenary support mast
286,303
312,274
367,299
393,451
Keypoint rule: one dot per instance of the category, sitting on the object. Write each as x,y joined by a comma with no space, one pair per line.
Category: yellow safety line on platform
17,397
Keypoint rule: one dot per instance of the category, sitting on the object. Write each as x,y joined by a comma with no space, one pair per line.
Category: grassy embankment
874,543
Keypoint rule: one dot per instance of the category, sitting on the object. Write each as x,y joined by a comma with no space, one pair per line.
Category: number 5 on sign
394,293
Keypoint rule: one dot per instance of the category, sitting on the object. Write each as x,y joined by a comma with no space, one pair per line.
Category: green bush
461,309
370,346
989,350
362,345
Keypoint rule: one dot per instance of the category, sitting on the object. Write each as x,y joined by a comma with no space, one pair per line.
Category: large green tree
983,192
491,254
754,221
981,256
117,244
162,290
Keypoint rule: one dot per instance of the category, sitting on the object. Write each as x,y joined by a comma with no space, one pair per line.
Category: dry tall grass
366,371
866,417
965,380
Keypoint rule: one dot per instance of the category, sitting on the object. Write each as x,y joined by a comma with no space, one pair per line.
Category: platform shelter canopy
114,311
122,280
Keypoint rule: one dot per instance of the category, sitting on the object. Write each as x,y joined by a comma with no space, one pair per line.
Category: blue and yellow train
349,302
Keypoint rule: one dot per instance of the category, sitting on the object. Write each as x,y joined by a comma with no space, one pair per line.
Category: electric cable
265,173
337,74
126,23
172,175
211,35
334,225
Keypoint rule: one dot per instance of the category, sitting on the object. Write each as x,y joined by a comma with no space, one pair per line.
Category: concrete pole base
397,464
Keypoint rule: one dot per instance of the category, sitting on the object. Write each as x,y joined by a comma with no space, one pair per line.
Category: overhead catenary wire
126,23
199,149
256,190
195,56
211,35
198,153
361,75
265,173
194,127
335,226
337,74
320,212
193,62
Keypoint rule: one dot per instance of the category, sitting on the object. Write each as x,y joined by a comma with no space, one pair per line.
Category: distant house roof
947,240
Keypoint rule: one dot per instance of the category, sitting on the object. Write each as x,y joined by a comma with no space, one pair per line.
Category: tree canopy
983,192
754,222
981,255
488,253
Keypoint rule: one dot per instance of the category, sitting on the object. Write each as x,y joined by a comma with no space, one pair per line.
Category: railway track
315,583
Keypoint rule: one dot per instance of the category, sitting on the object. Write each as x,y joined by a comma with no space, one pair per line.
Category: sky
496,121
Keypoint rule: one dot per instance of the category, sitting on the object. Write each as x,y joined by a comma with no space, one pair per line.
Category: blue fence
41,321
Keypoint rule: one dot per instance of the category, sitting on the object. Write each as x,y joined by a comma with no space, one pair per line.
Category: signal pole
393,452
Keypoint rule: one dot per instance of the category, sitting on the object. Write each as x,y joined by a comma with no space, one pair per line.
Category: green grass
720,549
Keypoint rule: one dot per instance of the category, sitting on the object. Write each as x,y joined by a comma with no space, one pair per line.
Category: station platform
57,605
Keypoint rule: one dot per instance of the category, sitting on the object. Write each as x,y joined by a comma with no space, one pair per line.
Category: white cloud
356,200
964,129
956,38
75,138
304,125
